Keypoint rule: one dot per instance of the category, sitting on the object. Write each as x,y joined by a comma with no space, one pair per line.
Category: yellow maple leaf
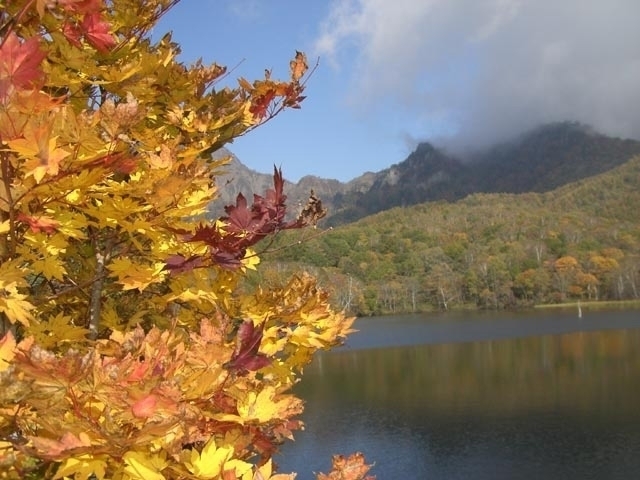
50,244
55,330
194,294
168,190
82,467
143,466
197,200
15,307
236,468
209,464
264,406
264,472
134,275
250,260
12,275
71,224
50,267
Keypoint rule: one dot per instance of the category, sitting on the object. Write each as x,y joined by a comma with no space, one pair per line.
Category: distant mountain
238,178
426,174
548,157
538,161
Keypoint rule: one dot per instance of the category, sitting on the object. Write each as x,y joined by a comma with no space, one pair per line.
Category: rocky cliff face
238,178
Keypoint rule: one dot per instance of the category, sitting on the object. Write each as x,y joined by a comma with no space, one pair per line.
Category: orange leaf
348,468
39,224
145,407
298,66
55,449
138,372
244,84
7,350
40,151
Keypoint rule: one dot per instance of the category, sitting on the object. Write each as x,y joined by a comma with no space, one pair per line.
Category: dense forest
578,242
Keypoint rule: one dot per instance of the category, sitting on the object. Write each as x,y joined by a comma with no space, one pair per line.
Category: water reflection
554,406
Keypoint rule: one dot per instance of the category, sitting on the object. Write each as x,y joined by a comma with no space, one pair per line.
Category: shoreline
592,305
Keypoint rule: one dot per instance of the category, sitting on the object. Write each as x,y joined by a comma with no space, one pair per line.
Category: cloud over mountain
484,70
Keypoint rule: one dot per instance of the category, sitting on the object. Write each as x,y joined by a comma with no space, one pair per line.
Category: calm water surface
478,396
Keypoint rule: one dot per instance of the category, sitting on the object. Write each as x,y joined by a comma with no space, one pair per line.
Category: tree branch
95,301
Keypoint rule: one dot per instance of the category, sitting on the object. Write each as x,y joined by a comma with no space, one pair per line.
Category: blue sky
460,73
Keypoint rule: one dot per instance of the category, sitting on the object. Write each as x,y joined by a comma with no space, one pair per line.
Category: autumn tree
129,351
532,284
605,264
564,272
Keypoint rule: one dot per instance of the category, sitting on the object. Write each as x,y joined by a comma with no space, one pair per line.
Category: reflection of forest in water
579,372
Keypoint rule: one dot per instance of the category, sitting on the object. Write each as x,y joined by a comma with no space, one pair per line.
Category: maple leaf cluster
229,238
264,93
130,345
93,28
182,395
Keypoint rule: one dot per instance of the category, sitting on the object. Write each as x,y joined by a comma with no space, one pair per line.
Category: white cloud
246,10
492,68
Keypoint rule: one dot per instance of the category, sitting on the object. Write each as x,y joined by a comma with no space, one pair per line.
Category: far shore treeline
580,242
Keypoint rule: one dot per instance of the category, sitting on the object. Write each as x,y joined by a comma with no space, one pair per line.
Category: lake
535,395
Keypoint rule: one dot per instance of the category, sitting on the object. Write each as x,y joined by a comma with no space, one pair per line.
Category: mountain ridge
540,160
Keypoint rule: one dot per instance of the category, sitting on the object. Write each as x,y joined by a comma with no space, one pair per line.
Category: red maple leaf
178,263
72,33
274,200
242,219
246,355
260,105
20,63
226,248
96,31
231,260
265,216
244,227
119,163
209,234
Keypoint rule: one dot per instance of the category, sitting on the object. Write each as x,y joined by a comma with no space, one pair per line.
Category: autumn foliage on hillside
127,350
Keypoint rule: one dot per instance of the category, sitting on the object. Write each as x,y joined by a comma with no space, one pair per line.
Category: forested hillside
581,241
